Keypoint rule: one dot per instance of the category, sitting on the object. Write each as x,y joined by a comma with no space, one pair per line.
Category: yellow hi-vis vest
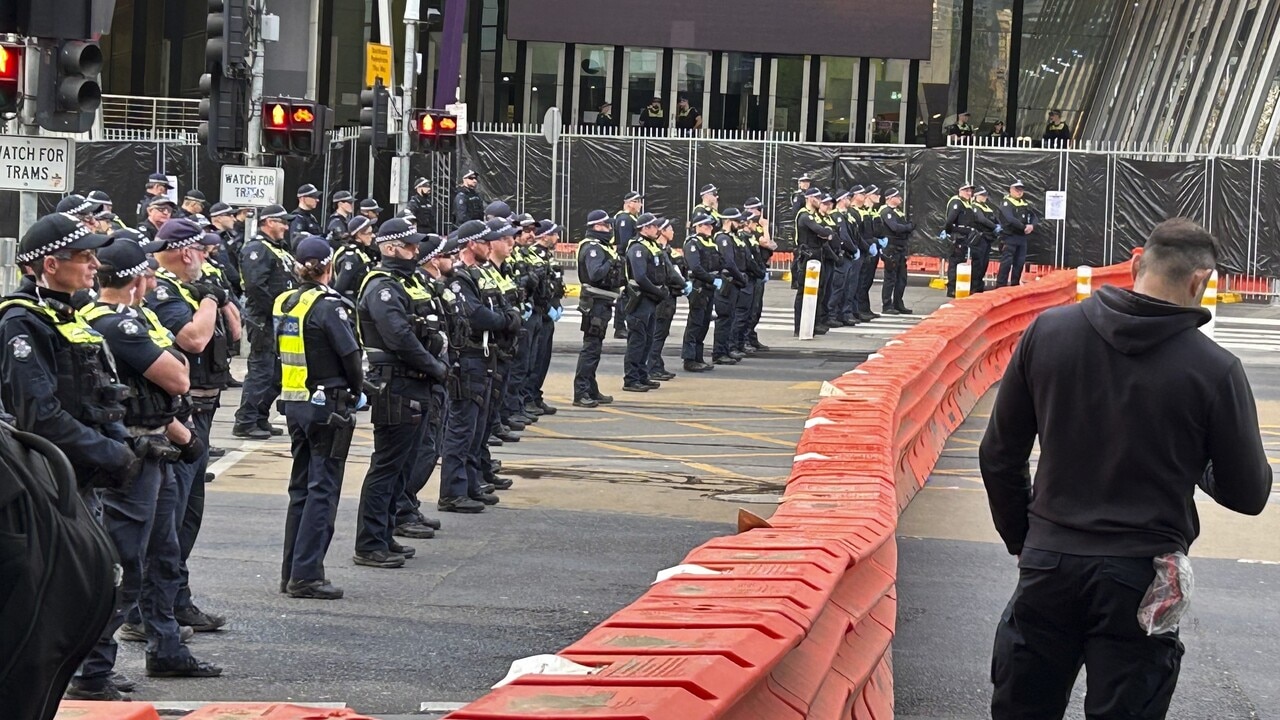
290,339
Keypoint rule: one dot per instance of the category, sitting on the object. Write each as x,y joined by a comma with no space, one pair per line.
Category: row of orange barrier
798,620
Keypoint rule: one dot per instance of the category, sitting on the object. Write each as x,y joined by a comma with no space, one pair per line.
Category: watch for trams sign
251,186
36,164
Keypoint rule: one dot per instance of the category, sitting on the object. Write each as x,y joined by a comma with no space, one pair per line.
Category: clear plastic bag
1169,596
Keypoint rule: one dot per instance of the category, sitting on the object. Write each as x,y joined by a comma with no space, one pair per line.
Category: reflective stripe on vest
162,274
75,330
155,330
412,285
292,344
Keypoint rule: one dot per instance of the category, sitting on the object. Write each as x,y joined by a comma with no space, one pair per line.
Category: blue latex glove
688,288
857,254
719,283
943,235
884,242
556,313
999,229
361,402
874,250
528,313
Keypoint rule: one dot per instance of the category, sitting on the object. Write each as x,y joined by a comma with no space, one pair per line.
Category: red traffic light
426,124
9,61
276,116
448,124
303,115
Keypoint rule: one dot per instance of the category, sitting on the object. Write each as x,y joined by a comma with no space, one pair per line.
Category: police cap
56,232
545,228
752,203
160,200
498,229
857,190
99,197
432,246
470,174
873,190
1016,184
421,182
497,209
813,192
709,190
308,190
180,233
645,220
159,179
274,212
979,191
631,196
369,204
703,220
525,220
123,258
358,224
472,231
219,209
136,236
195,195
313,248
731,214
77,205
597,217
966,186
397,230
891,193
343,196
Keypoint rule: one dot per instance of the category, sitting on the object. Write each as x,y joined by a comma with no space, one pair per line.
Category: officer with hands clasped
353,260
406,357
1017,220
321,386
141,519
733,282
267,269
646,289
601,271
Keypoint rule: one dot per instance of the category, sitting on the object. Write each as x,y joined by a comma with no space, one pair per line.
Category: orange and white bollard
1084,282
809,304
964,280
1210,303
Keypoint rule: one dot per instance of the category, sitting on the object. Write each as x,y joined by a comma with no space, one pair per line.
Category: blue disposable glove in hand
943,235
688,288
884,242
556,313
719,283
528,313
999,229
874,250
361,401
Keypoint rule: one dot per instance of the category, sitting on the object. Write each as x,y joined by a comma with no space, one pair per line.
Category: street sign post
36,164
551,131
251,186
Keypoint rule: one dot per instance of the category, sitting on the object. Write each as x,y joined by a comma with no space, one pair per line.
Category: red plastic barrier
798,624
88,710
271,711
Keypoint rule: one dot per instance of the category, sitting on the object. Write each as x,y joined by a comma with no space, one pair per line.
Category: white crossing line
1254,321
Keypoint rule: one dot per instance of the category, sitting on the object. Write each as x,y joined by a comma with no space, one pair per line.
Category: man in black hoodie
1163,410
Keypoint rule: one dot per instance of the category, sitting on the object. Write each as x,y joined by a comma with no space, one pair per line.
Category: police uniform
148,228
424,211
961,129
705,264
335,226
665,312
984,220
496,283
850,310
353,260
370,209
872,230
404,351
547,295
155,180
526,273
600,270
141,519
730,307
812,237
267,270
798,195
704,207
467,203
898,233
652,117
1015,214
467,425
1056,134
756,267
646,289
624,228
321,381
175,303
959,229
840,268
303,222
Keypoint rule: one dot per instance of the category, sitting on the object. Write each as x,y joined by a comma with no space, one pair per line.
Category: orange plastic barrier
87,710
271,711
799,622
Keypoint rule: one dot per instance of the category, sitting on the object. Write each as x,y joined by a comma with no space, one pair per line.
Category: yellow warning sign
377,64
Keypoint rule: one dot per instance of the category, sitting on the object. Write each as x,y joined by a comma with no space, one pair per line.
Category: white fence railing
133,116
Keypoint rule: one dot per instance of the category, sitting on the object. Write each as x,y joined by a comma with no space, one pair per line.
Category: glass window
642,66
690,70
837,102
741,104
886,100
594,69
788,94
546,65
989,62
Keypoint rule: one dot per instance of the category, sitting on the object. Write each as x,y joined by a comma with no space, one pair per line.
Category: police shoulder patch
253,255
385,295
162,292
639,253
592,253
347,266
342,313
456,286
20,348
130,327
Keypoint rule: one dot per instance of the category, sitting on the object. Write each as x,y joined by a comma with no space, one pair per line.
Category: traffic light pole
407,130
28,206
255,88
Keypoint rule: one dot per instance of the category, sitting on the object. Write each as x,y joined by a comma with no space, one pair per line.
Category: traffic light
437,131
294,126
10,77
226,37
373,115
69,93
224,124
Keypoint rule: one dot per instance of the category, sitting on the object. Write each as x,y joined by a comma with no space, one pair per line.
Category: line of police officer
972,226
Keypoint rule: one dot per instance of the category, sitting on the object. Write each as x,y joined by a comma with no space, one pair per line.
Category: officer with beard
406,353
335,226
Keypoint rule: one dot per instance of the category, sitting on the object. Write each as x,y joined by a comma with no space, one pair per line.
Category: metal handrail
157,115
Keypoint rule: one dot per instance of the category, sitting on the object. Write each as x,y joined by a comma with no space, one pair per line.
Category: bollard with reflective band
964,279
1210,303
809,304
1084,282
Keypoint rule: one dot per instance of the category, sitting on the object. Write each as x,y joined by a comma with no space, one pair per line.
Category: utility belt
155,446
389,371
204,400
390,408
106,408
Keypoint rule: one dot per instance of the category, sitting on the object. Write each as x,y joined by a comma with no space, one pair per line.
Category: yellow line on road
700,426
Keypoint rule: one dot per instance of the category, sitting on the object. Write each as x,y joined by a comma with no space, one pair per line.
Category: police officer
547,311
647,287
894,248
687,116
853,217
371,209
957,232
984,220
845,250
303,221
355,258
497,286
604,118
709,202
267,269
601,272
704,261
462,472
527,272
1056,132
872,231
157,185
812,236
497,209
961,130
730,305
653,117
467,203
763,246
423,209
406,357
105,208
335,226
195,311
159,210
1017,220
222,217
321,385
193,203
799,196
140,519
624,229
665,311
79,207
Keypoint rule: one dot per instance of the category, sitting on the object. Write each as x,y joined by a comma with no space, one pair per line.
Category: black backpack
58,576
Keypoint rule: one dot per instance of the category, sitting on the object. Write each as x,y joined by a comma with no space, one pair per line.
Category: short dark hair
1177,248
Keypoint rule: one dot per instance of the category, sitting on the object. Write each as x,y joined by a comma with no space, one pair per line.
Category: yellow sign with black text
377,64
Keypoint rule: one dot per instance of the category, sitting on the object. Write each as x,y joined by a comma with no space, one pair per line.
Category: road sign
36,164
377,64
251,186
551,125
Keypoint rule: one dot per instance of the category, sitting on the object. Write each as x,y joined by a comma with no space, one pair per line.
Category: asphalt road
955,579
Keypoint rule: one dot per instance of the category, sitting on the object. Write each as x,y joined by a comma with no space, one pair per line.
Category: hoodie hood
1133,323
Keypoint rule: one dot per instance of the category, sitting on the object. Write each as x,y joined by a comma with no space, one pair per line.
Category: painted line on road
440,707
